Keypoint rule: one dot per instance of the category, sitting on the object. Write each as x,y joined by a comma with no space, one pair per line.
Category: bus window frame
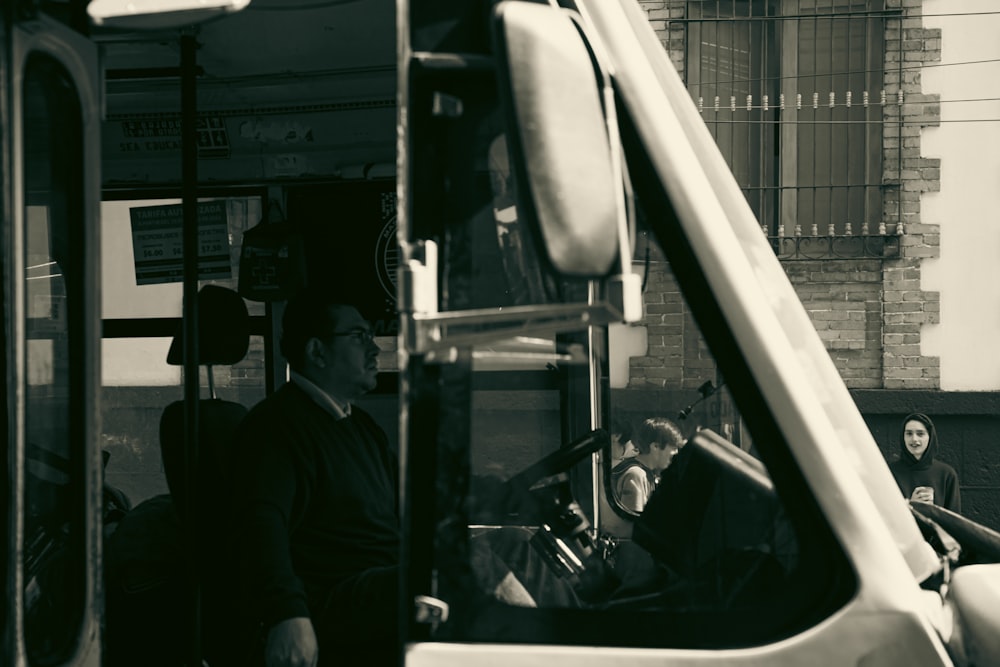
44,37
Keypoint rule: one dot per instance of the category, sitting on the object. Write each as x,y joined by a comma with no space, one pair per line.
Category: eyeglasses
364,336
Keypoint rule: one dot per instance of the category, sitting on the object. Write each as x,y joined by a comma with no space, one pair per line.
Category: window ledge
856,246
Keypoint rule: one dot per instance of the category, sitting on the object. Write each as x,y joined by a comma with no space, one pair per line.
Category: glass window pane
680,540
137,362
54,520
793,80
151,286
137,385
733,58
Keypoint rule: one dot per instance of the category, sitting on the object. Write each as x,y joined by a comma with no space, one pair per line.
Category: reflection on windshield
710,535
526,353
517,250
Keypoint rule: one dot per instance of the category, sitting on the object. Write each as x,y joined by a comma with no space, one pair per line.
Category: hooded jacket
911,472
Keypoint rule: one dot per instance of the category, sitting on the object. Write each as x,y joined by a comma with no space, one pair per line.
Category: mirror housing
974,597
570,190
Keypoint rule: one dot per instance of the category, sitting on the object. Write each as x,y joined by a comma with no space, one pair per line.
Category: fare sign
158,246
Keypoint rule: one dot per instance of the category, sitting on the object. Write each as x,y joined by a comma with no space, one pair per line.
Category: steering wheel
561,460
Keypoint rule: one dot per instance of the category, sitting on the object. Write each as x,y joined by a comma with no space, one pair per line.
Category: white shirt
338,409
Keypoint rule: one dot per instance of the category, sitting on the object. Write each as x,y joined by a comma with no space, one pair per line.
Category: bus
523,198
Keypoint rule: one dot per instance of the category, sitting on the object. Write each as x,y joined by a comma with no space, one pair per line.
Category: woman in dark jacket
919,475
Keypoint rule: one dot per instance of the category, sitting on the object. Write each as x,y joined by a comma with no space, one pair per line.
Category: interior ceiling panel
269,38
292,88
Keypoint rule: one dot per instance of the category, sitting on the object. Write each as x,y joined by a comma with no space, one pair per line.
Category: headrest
223,326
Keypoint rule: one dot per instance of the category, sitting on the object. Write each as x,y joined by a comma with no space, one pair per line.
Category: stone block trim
907,309
906,174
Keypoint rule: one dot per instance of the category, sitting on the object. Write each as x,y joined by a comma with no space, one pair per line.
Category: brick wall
844,301
672,35
869,313
677,356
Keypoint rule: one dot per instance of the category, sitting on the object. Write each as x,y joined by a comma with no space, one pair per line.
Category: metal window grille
794,92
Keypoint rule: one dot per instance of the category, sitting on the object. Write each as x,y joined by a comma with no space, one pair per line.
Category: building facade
865,136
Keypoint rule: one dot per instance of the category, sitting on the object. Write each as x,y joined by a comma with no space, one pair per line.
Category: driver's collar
339,409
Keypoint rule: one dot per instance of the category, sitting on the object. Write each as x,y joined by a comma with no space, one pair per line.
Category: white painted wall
967,208
624,342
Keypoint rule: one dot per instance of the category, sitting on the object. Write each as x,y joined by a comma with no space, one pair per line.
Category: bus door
574,249
52,474
505,293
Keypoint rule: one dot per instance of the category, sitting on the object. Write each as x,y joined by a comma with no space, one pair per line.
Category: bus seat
224,337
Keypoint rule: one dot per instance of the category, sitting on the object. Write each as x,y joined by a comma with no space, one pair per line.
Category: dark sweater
318,517
938,475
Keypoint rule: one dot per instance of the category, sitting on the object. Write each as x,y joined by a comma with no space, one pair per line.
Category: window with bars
793,92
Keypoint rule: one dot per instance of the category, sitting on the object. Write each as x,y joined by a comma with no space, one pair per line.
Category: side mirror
570,189
158,14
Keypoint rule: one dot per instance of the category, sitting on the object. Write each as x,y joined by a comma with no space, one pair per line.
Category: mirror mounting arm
418,293
428,331
624,292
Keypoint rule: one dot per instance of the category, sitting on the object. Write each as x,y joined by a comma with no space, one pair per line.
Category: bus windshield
578,475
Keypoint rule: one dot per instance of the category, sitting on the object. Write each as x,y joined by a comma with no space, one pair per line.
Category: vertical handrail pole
192,380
